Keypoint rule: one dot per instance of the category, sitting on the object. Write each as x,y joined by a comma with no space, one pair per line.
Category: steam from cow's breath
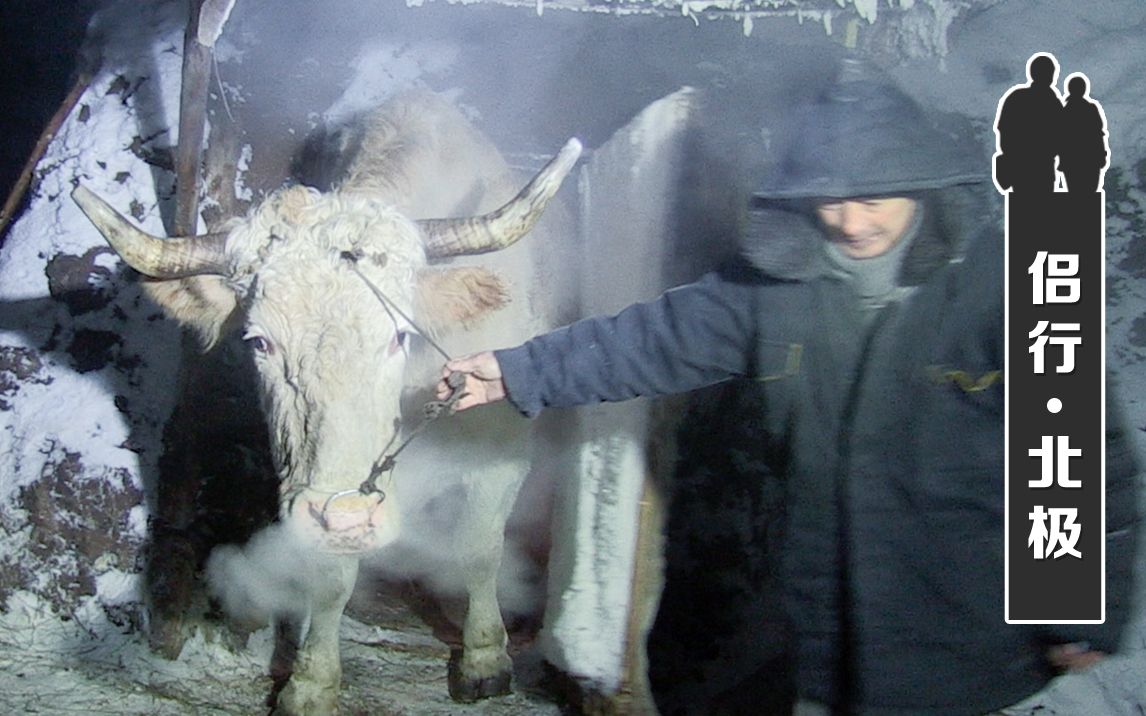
273,575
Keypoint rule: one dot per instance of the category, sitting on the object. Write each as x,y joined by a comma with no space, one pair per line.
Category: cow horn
152,256
502,227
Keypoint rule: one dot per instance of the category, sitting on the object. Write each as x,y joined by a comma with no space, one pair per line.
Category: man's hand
483,380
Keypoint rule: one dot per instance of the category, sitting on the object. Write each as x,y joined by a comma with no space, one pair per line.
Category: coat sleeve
690,337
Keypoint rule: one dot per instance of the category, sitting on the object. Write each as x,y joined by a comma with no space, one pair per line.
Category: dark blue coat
894,543
892,428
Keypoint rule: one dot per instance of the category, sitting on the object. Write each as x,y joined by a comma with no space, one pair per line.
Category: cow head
323,286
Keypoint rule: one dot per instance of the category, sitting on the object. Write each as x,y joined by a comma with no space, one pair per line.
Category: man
1029,130
869,305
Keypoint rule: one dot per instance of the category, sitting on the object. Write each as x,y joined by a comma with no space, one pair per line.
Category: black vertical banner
1055,414
1055,369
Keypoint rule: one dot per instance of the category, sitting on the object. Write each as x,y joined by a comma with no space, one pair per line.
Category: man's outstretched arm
690,337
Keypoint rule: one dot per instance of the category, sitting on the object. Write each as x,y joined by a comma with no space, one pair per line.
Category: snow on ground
48,666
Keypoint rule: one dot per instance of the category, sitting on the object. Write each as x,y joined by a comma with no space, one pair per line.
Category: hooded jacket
892,425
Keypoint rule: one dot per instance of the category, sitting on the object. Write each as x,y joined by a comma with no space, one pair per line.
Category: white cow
328,288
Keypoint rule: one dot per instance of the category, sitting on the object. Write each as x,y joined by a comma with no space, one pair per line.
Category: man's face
866,228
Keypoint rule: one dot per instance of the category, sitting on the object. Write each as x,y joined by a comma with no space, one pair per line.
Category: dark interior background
38,60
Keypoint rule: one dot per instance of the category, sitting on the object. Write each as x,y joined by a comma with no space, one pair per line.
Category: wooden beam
635,695
192,124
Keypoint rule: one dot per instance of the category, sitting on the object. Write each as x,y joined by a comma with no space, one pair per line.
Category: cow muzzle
344,522
362,519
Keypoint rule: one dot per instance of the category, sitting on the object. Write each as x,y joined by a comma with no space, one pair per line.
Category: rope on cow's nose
352,258
433,409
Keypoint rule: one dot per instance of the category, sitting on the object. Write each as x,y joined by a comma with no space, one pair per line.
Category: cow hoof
468,690
166,636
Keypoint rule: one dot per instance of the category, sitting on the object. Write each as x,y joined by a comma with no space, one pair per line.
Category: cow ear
448,298
205,304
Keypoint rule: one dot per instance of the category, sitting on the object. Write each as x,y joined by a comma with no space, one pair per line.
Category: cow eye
259,344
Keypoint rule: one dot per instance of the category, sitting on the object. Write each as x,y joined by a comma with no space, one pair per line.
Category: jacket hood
864,136
783,239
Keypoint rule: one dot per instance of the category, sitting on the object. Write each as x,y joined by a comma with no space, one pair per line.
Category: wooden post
636,696
192,124
170,572
169,575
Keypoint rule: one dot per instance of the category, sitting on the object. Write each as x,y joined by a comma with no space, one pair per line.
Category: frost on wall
85,361
79,524
908,28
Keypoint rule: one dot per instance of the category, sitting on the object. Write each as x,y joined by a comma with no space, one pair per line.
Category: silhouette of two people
1035,129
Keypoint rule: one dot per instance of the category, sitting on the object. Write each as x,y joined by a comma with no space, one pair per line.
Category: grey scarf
875,280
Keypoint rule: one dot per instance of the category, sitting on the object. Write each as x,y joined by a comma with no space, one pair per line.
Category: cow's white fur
332,373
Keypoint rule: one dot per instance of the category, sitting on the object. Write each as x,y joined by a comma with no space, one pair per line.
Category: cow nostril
399,342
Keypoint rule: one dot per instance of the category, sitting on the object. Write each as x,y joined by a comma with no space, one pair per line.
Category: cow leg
317,673
483,669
